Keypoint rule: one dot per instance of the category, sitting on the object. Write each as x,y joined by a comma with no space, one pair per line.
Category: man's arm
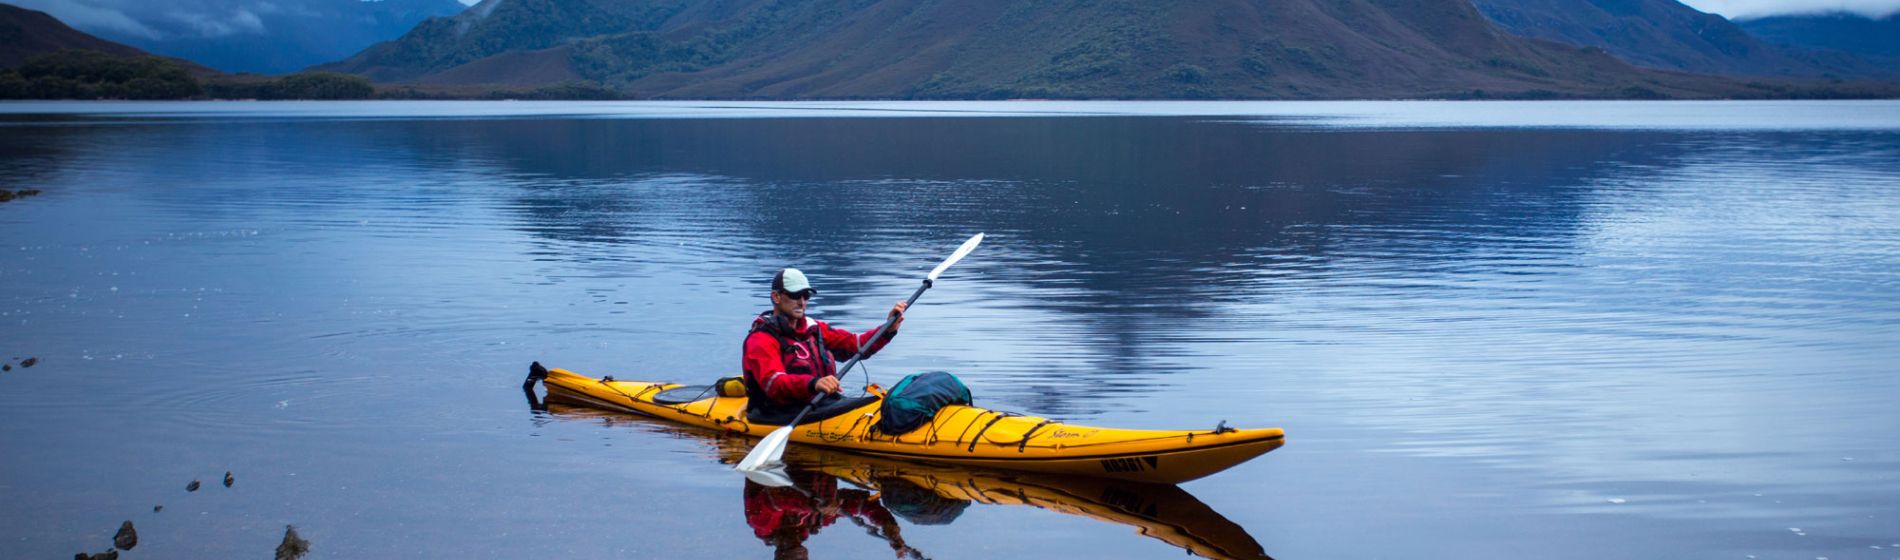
845,344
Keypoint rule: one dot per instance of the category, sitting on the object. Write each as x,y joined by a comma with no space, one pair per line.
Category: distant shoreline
1685,115
79,74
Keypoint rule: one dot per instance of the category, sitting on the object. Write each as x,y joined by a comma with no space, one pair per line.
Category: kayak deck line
1076,457
957,434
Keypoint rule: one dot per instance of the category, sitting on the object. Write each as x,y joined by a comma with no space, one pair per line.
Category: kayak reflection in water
785,516
821,486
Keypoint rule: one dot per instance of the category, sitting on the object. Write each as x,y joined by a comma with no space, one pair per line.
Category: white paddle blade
769,477
767,454
957,256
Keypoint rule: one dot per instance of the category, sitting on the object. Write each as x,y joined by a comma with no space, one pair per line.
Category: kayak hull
963,435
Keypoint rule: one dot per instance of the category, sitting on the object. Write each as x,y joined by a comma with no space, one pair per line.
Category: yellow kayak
964,435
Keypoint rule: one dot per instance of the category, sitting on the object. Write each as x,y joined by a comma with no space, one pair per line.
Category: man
790,357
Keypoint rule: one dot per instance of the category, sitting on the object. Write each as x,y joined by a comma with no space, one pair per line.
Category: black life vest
806,356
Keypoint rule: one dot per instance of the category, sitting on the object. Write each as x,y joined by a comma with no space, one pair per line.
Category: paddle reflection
820,487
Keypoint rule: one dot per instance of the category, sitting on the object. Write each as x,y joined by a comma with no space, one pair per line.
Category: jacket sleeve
767,368
845,344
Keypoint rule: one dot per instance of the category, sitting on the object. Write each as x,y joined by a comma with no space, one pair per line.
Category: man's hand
827,384
897,313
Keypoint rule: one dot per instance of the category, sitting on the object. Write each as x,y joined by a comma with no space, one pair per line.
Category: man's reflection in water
785,517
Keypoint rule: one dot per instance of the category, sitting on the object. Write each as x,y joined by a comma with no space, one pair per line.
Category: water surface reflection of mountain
1107,233
1119,229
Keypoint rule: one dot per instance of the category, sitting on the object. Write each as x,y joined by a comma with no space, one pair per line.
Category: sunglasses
801,294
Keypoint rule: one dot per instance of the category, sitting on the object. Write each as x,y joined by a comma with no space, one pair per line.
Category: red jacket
788,376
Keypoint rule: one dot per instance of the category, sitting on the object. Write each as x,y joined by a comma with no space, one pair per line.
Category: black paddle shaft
861,352
880,330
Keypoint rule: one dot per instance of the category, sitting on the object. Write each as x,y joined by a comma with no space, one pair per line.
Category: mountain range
1141,49
1007,49
1666,34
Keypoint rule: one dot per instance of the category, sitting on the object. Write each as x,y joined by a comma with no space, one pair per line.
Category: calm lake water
1491,330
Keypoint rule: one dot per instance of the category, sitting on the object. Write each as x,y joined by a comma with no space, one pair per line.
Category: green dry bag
917,398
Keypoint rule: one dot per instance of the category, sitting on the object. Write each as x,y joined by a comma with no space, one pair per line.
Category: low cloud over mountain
1746,9
1875,39
269,36
1669,35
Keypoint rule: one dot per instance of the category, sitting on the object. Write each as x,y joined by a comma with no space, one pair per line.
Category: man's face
791,305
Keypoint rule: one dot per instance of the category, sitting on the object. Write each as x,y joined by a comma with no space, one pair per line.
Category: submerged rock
29,362
156,509
293,547
107,555
228,480
127,537
193,487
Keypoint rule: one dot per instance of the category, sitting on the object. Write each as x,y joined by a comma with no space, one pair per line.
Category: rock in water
127,537
193,487
107,555
228,480
29,362
293,547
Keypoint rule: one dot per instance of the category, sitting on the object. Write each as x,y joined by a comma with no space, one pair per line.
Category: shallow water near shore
1555,330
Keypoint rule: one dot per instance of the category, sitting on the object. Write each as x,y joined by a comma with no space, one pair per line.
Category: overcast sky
156,19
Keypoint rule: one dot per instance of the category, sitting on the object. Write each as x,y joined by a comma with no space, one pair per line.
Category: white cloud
247,21
205,25
297,10
1734,9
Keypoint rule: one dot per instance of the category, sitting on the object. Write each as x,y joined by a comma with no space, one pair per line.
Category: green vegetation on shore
305,85
89,74
581,90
